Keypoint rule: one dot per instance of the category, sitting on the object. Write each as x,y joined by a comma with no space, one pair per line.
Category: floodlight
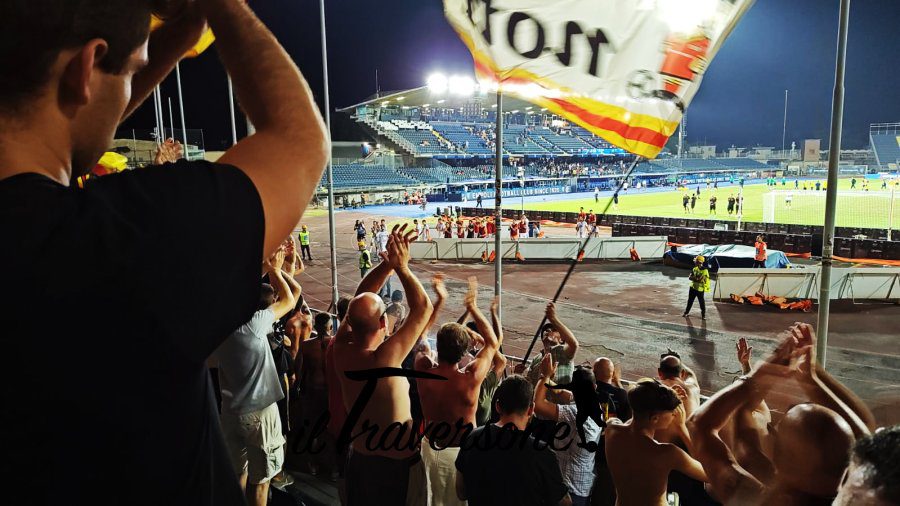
437,83
461,85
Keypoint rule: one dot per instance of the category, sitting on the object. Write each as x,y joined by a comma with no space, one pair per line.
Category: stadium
319,295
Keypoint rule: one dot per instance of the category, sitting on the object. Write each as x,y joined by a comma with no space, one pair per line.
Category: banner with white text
624,69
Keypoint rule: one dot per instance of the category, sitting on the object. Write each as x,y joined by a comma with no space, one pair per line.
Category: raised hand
437,282
784,360
805,336
277,260
398,246
169,151
471,301
743,353
550,312
548,366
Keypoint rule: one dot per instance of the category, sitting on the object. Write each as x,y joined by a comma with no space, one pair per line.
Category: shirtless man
454,401
820,434
640,465
374,474
312,386
673,373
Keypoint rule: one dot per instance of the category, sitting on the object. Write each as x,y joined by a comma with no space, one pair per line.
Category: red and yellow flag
624,69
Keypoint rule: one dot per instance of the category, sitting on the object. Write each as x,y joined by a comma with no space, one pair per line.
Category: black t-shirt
132,282
618,397
498,467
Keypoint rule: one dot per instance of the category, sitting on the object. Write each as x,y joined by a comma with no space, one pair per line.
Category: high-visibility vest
304,238
761,253
364,261
700,279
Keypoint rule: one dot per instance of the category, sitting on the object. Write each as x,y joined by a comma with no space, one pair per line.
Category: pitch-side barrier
857,284
545,249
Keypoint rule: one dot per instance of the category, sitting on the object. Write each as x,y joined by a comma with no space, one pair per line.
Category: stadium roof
425,97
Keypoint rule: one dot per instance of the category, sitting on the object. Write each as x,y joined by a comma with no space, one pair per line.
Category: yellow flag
203,44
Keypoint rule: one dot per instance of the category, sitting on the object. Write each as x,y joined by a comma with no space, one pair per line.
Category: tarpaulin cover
724,255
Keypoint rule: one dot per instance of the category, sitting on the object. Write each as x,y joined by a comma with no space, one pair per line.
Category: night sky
778,45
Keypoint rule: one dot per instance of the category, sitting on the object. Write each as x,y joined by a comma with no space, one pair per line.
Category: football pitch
870,210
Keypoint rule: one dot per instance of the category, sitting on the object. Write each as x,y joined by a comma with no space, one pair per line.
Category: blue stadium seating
886,147
365,176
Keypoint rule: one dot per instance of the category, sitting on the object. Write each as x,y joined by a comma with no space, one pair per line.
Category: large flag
624,69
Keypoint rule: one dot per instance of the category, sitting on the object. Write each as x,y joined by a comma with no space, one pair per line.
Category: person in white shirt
381,240
579,229
425,233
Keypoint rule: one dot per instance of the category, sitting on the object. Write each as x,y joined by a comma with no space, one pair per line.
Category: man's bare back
456,400
360,345
639,465
312,373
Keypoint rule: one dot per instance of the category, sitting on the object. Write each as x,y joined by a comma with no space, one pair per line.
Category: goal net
860,209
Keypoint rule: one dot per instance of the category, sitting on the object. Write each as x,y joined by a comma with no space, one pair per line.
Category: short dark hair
584,374
342,304
670,366
514,395
321,321
33,32
649,396
881,453
452,343
266,296
397,296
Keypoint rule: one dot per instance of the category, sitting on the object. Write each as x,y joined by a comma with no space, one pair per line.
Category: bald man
610,387
382,468
809,448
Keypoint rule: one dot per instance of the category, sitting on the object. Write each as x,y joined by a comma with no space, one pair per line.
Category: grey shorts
255,443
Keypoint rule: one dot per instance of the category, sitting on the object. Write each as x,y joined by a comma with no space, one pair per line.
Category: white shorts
255,443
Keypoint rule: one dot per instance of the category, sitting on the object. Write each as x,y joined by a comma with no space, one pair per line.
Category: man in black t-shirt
502,464
127,262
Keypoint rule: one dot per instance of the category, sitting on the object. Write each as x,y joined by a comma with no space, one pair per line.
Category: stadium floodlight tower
464,86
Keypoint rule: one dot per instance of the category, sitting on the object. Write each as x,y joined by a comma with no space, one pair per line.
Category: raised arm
398,346
284,301
166,47
818,390
485,356
287,154
729,481
440,291
542,407
568,338
378,276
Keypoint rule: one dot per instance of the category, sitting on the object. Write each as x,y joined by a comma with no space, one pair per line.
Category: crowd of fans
463,424
121,411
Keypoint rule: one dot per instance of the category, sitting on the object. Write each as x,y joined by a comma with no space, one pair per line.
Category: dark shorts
383,481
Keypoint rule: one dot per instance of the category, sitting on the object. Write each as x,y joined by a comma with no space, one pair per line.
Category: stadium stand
885,140
365,176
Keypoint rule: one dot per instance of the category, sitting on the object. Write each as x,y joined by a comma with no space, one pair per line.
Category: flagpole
834,157
784,130
181,108
231,110
498,206
330,173
159,115
156,117
171,119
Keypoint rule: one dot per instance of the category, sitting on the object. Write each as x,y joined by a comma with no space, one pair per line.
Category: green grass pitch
861,211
